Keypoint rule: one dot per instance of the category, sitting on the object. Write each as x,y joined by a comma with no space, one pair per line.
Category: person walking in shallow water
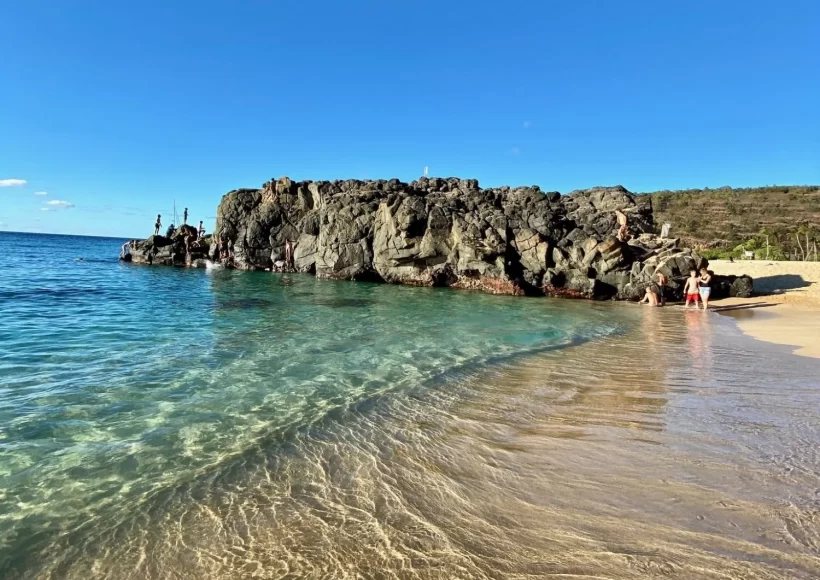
158,225
705,286
662,282
288,253
690,289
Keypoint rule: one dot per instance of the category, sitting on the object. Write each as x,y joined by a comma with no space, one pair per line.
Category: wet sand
682,450
786,306
795,326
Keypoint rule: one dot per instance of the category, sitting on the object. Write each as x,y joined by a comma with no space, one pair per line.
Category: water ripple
160,423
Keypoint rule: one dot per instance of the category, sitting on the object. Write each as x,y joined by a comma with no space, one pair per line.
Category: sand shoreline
786,306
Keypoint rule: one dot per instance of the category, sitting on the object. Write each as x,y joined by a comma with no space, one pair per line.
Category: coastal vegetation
773,222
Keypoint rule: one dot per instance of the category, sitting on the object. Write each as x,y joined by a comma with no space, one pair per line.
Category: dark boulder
742,287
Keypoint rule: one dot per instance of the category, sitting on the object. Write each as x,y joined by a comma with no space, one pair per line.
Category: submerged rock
447,232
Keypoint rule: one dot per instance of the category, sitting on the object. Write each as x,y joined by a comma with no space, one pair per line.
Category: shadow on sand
773,284
749,306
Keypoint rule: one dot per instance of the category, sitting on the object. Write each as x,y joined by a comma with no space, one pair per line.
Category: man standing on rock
201,230
623,230
185,217
288,254
158,225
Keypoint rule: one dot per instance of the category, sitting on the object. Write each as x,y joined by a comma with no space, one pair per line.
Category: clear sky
116,109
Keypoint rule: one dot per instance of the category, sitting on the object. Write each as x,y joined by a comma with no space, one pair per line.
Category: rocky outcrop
173,251
446,232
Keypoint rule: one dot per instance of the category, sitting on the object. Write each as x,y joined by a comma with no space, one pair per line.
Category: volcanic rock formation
448,232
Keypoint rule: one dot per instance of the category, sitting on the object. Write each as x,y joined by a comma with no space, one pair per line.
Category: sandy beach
786,306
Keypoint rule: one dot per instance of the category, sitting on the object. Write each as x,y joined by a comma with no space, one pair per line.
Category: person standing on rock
705,286
623,230
288,253
185,217
201,230
691,288
158,225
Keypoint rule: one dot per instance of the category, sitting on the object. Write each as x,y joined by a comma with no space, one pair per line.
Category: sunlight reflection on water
293,429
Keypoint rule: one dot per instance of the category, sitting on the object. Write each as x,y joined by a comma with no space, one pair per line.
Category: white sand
779,282
786,305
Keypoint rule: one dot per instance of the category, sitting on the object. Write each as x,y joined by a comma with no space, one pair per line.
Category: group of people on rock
188,237
224,249
172,229
698,286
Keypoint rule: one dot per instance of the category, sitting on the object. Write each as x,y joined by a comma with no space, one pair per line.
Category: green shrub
718,254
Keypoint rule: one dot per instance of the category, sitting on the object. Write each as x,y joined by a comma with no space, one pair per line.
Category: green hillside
722,219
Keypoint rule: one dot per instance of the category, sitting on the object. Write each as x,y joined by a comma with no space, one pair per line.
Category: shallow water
161,423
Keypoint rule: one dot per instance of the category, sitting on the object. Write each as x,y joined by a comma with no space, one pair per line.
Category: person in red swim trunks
691,288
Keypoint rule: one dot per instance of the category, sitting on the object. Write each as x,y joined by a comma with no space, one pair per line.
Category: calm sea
159,422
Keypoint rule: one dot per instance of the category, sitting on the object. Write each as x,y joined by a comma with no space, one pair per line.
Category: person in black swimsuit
705,286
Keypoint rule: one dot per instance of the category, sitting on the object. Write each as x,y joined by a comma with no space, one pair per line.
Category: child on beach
690,289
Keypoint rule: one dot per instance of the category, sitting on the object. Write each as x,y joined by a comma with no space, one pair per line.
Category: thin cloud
45,209
12,182
60,203
40,193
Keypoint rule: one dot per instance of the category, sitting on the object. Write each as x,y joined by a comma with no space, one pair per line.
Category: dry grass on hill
725,217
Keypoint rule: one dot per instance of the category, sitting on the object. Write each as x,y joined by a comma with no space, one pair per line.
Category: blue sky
117,109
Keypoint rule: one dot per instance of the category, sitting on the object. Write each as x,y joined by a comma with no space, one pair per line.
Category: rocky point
446,232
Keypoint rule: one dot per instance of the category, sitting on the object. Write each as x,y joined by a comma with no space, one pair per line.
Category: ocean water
177,423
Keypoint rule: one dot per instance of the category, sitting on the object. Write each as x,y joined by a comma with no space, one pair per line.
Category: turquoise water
121,383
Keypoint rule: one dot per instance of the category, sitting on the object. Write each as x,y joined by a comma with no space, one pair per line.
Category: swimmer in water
651,297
